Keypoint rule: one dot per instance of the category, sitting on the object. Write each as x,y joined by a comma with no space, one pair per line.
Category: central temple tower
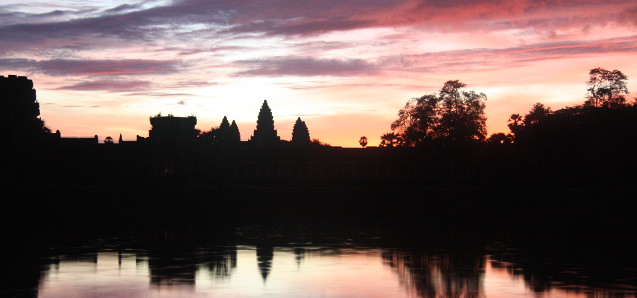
265,134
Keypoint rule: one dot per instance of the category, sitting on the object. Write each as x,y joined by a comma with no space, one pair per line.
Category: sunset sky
345,67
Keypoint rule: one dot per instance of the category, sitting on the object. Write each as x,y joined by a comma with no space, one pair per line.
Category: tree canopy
500,138
453,115
518,123
390,140
363,141
606,88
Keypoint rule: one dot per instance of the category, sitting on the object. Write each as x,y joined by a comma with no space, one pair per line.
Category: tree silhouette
417,121
454,115
538,112
300,133
462,118
108,140
606,88
516,123
363,141
500,138
390,140
318,143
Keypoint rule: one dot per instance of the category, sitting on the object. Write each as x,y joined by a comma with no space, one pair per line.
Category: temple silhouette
174,148
20,114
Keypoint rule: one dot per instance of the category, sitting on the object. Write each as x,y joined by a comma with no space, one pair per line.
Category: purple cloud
629,16
191,84
295,66
160,94
92,67
122,8
109,85
300,18
107,67
301,27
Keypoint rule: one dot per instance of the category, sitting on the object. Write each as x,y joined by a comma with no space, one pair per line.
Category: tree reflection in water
437,273
600,274
173,266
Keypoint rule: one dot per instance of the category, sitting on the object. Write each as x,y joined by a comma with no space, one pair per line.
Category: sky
346,67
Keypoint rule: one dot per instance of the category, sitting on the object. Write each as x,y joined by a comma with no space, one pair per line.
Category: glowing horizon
345,68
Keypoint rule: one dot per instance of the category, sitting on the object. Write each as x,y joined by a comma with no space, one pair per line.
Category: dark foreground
530,212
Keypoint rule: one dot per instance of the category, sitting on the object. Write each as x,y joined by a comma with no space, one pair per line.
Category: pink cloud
436,62
109,85
483,59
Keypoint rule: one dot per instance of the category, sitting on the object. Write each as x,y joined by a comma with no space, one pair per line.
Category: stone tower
17,98
19,109
300,133
265,134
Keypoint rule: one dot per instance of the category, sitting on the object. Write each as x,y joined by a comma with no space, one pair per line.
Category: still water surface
267,269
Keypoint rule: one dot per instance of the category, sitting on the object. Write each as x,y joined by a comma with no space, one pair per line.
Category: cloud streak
67,67
303,66
109,85
462,60
444,61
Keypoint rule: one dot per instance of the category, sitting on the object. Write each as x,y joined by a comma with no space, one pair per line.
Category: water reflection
600,276
265,253
173,266
265,268
439,274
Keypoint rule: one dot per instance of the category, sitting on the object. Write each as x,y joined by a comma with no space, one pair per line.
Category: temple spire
265,134
235,135
300,133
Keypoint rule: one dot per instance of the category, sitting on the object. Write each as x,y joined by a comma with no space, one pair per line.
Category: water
315,242
278,266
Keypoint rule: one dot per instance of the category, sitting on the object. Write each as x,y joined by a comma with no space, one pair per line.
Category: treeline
455,116
587,144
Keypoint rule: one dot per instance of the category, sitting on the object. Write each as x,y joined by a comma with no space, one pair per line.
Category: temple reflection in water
273,269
